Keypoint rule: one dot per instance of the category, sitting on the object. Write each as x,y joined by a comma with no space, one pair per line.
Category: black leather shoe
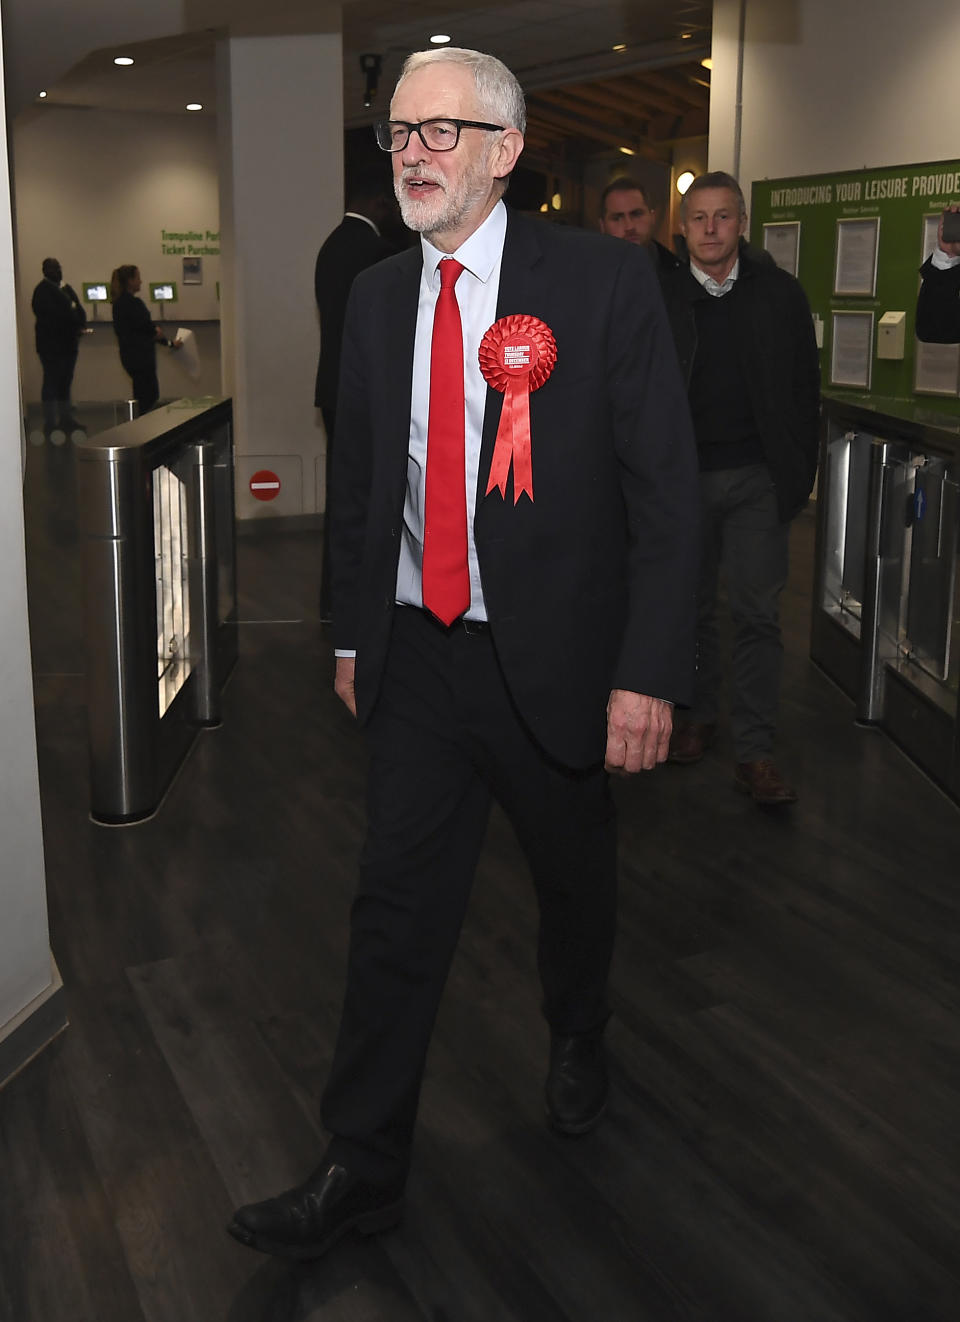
577,1086
304,1222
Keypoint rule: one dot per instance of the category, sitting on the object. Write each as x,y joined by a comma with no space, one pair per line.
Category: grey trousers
744,541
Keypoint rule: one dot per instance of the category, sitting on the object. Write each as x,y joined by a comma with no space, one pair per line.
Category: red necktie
446,578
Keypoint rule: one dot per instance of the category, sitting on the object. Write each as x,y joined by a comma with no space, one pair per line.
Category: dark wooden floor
782,1142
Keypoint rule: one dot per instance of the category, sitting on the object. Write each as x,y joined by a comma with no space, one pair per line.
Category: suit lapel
521,253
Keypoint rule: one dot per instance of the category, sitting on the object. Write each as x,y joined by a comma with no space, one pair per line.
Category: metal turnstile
156,513
886,618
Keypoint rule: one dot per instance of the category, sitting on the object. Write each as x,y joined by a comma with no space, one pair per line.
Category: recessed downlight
440,38
41,95
194,105
627,151
123,59
621,46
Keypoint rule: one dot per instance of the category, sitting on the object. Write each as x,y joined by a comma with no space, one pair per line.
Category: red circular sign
264,485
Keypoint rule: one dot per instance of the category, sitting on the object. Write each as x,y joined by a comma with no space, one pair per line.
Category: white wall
96,189
280,116
835,85
25,964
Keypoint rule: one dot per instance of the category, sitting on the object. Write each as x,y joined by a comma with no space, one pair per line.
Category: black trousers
329,423
146,387
444,739
743,540
55,391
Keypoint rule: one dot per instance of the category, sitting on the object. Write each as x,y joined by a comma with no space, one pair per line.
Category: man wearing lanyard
514,560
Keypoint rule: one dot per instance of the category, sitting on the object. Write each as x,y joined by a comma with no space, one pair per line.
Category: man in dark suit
354,245
938,303
506,626
60,322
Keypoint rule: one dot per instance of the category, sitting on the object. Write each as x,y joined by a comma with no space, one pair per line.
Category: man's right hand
951,249
343,682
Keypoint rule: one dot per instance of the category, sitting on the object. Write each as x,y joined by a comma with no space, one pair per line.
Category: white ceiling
546,42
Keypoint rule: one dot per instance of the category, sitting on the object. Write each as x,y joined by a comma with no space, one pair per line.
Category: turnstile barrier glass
157,542
886,619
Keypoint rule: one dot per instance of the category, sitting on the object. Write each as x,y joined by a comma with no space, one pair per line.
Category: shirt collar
717,288
479,254
355,215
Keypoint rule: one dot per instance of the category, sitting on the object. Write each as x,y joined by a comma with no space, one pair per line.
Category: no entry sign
264,485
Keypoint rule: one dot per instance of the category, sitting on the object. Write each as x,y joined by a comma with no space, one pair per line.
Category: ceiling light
194,105
41,95
627,151
706,62
684,181
622,46
685,36
439,38
123,59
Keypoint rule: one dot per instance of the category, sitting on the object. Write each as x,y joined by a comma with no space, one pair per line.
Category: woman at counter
137,335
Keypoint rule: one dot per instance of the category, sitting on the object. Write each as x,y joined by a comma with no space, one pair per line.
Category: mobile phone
951,227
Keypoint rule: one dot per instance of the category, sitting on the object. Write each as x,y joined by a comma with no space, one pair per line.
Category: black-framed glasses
435,134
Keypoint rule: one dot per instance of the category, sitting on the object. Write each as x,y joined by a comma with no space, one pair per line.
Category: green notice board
856,240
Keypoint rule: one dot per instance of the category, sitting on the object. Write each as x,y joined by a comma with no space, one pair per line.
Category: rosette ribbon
517,354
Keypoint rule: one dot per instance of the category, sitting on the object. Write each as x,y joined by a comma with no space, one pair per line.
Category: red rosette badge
517,355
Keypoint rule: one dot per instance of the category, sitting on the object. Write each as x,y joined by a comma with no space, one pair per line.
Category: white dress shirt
711,285
943,261
476,291
355,215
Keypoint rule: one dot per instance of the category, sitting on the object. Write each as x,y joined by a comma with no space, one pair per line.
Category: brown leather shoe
689,742
763,782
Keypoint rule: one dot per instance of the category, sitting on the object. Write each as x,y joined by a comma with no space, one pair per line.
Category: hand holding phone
949,231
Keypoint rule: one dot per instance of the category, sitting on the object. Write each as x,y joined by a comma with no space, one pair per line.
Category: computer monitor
163,291
95,291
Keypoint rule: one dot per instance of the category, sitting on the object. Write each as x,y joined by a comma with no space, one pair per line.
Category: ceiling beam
673,86
640,89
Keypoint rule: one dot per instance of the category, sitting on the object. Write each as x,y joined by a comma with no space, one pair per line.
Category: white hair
498,92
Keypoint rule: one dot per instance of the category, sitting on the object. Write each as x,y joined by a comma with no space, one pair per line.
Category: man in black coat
746,345
572,552
938,303
625,213
354,245
60,322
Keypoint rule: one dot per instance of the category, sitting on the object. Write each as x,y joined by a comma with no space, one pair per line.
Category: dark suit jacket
780,360
60,319
938,305
589,587
350,249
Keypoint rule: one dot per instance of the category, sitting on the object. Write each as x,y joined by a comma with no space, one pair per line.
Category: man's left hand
638,731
